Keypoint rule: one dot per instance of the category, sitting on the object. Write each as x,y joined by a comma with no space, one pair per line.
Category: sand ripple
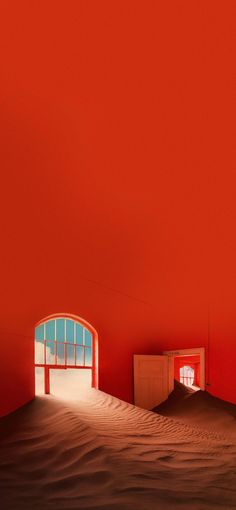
98,452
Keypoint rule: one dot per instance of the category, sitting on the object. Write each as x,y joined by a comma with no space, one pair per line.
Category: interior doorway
188,367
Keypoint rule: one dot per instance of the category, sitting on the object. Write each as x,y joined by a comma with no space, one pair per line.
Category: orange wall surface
118,182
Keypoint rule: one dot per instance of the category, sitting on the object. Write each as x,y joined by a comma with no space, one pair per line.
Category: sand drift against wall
98,452
199,408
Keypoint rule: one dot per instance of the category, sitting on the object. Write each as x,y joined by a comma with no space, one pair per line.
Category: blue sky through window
77,349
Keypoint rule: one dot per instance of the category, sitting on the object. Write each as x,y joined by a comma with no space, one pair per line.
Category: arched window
187,375
65,341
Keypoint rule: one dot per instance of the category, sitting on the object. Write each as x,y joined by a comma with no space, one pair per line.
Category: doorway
188,367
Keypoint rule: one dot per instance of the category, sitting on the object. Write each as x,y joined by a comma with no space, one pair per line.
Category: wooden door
151,380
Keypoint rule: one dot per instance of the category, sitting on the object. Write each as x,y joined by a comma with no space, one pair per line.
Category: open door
151,380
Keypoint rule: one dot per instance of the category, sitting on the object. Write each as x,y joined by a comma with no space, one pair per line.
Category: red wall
17,371
117,182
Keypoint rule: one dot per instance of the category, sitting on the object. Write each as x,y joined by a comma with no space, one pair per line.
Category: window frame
93,348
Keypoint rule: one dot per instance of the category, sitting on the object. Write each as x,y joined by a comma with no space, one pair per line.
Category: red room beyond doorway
187,370
189,367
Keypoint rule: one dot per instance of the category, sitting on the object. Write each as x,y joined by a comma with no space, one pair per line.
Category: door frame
191,352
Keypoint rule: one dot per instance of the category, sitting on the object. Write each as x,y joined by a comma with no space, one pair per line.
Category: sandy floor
101,453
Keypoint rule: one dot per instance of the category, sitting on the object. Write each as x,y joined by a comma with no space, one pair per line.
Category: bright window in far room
187,375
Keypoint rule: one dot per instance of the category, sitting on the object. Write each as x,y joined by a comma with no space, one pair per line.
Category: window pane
70,354
60,354
50,353
39,332
39,381
79,333
39,352
50,330
79,355
60,331
70,331
88,356
88,338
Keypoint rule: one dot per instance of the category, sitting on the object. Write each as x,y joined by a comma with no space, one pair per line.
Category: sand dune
97,452
200,409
